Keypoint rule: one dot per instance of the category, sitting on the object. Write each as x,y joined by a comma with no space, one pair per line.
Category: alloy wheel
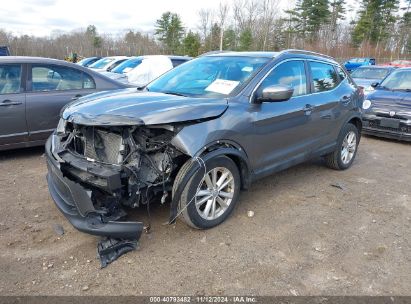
215,193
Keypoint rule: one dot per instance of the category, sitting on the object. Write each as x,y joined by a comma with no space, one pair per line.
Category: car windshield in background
399,80
209,76
359,60
127,66
101,63
367,73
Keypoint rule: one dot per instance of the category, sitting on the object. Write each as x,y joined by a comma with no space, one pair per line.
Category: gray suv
198,135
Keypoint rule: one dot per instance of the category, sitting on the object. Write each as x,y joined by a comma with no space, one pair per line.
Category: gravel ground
306,237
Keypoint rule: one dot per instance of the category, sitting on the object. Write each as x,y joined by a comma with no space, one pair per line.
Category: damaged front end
96,173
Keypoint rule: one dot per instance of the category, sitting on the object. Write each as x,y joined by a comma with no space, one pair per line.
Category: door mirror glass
275,93
286,78
375,84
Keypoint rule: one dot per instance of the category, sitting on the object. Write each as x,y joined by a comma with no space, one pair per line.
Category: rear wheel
344,155
211,194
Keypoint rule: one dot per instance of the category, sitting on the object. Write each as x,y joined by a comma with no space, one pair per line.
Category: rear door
50,88
13,128
325,101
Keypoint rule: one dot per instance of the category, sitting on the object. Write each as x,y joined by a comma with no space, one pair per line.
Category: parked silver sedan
32,92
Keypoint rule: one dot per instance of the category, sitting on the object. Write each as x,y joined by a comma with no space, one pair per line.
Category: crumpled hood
130,107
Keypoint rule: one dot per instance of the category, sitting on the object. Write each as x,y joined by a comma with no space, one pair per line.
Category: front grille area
99,144
103,146
376,125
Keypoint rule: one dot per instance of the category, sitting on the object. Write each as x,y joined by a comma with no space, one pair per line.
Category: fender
200,159
355,115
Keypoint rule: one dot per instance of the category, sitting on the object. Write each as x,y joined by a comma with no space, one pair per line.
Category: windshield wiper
174,93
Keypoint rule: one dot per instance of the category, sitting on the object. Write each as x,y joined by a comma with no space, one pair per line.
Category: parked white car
142,70
108,63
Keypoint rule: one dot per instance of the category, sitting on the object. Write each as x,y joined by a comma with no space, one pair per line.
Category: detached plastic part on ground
110,249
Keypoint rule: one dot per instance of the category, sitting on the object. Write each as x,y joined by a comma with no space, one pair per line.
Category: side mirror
375,84
275,93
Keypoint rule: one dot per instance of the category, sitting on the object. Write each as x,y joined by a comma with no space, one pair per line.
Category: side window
10,79
324,76
55,78
290,73
88,82
177,62
341,73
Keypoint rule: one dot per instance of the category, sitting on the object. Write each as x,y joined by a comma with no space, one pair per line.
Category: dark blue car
354,63
387,111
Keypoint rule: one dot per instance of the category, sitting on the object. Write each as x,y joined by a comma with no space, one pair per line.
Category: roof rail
214,52
296,51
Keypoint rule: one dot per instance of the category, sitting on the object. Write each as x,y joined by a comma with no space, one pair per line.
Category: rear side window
88,82
177,62
324,76
59,78
290,73
10,79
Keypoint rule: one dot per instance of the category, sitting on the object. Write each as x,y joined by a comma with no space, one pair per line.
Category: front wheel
344,155
211,194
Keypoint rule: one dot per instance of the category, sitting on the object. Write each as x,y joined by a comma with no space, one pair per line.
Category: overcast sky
41,17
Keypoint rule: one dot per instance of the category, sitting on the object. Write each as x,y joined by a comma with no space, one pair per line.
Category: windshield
127,65
84,61
398,80
367,73
209,76
99,64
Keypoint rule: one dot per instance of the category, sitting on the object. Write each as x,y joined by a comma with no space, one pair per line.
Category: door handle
8,102
308,109
76,97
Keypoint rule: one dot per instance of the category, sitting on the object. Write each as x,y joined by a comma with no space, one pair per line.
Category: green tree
311,15
376,19
230,38
246,40
169,30
337,12
213,38
92,34
405,33
192,44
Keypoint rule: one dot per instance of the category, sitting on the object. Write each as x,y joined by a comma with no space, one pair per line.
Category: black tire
187,203
334,160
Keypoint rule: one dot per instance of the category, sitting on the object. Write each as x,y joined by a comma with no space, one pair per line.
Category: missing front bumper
74,201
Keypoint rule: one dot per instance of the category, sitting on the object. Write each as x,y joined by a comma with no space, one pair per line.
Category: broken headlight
61,127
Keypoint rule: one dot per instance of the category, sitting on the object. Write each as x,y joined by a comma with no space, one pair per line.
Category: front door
282,128
13,127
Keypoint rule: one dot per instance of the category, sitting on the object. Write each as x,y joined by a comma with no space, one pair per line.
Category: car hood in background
128,107
116,76
365,82
385,101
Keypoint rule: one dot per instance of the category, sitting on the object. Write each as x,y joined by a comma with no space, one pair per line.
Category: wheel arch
356,121
235,152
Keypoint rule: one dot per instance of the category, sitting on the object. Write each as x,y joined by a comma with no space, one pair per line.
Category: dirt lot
306,237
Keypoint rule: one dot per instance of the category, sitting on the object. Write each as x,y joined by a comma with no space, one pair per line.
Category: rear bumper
371,126
74,201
